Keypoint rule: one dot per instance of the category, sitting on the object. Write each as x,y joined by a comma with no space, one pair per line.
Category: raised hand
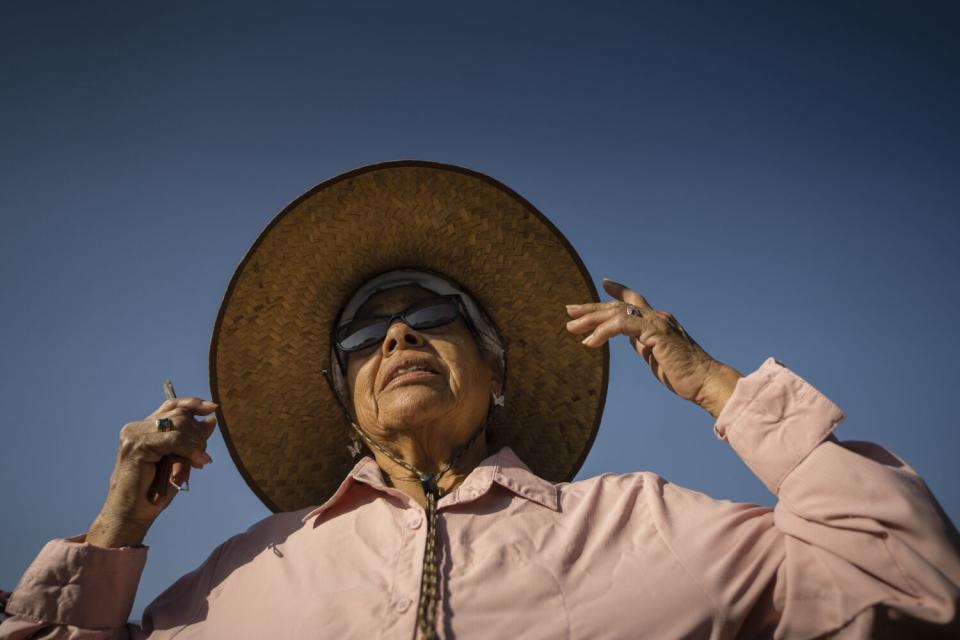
127,512
673,356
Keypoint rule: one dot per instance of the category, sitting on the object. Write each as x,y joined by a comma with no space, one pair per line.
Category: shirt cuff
774,419
75,583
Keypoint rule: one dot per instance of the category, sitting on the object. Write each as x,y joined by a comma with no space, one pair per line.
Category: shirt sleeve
75,589
855,546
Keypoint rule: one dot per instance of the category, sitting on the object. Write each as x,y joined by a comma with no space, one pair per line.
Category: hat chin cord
429,583
429,480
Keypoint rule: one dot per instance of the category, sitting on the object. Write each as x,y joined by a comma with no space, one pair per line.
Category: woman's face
433,383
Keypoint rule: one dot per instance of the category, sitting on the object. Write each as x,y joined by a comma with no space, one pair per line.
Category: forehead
393,300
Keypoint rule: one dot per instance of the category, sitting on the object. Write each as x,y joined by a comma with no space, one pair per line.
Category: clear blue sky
783,177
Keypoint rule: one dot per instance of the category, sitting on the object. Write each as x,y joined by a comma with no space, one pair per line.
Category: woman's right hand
127,513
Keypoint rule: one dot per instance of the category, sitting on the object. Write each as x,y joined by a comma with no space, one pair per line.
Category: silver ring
634,311
164,424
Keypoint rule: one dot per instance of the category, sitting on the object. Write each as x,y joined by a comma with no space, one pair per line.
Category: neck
429,461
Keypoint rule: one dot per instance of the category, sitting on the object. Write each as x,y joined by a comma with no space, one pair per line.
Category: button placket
405,589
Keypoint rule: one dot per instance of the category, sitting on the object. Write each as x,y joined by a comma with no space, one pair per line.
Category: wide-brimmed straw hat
282,423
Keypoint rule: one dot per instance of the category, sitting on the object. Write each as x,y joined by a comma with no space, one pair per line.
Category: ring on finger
164,424
633,310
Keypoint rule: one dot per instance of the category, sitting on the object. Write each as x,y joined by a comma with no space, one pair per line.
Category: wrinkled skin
674,358
421,418
126,514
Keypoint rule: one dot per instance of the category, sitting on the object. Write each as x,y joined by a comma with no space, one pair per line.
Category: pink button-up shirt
854,545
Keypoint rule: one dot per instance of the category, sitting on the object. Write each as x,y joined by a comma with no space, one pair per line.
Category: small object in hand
170,469
634,311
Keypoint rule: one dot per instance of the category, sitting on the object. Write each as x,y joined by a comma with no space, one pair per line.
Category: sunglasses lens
432,313
360,334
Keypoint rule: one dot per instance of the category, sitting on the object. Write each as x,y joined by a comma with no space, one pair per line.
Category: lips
407,366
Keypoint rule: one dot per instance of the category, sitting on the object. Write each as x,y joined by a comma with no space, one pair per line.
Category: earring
354,446
498,399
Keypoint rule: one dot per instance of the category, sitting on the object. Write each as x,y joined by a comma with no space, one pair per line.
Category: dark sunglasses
434,312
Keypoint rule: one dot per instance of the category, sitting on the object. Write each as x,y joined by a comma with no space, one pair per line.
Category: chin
411,405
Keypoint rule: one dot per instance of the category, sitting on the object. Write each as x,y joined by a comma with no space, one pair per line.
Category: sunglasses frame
401,315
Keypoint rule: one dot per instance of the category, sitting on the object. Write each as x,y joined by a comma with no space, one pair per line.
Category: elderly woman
428,298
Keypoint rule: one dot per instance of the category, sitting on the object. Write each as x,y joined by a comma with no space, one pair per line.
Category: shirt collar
508,470
503,467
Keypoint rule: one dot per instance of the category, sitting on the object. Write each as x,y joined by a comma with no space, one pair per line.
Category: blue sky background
783,177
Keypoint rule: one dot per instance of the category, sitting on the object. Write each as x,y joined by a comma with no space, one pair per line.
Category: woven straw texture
271,340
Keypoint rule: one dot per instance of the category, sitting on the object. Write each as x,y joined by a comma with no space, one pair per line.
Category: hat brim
271,341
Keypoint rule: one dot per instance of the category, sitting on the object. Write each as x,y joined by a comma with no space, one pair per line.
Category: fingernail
587,339
208,458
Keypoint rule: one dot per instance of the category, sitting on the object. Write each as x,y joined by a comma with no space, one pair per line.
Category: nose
400,336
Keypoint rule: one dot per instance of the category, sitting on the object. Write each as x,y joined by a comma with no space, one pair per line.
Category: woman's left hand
674,357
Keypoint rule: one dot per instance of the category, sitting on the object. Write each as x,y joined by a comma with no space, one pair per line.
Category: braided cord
429,581
418,475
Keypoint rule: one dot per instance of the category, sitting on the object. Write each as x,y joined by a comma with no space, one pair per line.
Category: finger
577,310
650,336
180,474
209,424
185,421
588,322
188,447
645,351
193,405
159,444
167,405
613,326
620,292
196,405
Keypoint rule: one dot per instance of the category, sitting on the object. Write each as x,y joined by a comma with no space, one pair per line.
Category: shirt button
415,522
403,604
